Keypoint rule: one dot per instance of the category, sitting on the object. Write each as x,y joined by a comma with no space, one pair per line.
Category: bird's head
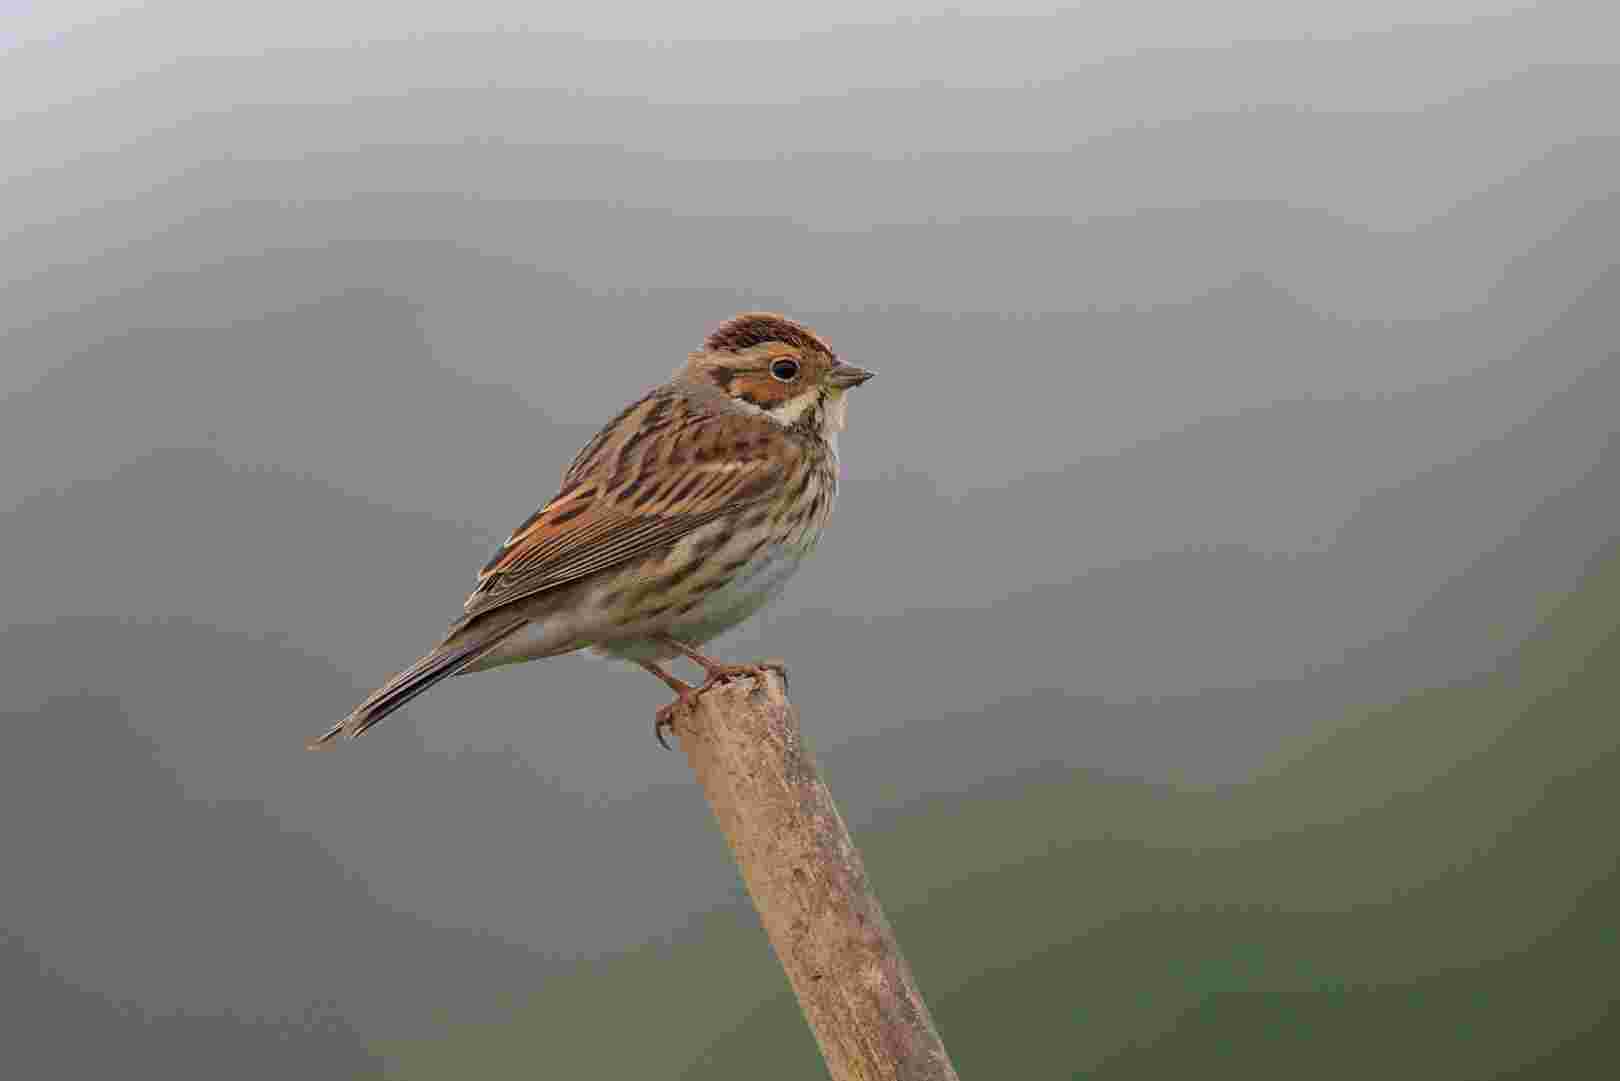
771,365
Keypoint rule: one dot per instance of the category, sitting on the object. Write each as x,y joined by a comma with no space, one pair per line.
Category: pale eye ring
785,369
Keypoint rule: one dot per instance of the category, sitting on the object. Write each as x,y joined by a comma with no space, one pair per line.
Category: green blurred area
1424,890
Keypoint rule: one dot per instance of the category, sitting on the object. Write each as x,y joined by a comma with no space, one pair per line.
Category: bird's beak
847,375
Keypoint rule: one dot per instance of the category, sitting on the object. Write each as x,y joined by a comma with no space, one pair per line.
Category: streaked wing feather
639,486
579,557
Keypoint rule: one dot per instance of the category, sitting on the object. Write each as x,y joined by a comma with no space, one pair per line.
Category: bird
684,516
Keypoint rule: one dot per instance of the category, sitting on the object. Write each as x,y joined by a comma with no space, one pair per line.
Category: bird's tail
453,656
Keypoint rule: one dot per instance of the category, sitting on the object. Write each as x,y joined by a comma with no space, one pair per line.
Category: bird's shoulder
675,425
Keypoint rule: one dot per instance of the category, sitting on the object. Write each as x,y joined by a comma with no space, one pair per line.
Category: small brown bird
680,519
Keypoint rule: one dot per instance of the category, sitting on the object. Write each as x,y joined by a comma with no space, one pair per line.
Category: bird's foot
664,721
725,673
718,672
686,700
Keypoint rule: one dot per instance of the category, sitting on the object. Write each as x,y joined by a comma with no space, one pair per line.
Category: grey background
1240,376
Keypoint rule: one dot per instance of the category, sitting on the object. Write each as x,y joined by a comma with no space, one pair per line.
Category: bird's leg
718,672
665,717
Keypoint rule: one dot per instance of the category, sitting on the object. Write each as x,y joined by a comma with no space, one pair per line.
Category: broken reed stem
805,875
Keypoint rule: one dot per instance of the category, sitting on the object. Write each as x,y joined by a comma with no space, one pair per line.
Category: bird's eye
786,370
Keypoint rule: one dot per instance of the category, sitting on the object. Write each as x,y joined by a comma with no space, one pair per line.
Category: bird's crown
749,329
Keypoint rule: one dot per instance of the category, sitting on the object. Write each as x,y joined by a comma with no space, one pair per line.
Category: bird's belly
756,584
751,589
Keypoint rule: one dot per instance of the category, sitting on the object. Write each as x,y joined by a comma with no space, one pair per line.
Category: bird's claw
725,673
664,719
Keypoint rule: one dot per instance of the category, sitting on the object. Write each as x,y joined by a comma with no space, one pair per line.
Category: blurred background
1215,651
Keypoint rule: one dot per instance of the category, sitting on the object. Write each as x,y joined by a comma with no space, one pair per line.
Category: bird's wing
660,470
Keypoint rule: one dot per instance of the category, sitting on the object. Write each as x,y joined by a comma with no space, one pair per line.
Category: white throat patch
790,412
832,422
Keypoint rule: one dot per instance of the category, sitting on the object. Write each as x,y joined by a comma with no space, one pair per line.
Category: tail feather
448,659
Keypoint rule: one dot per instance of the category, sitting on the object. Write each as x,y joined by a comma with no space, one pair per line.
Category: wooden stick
742,739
